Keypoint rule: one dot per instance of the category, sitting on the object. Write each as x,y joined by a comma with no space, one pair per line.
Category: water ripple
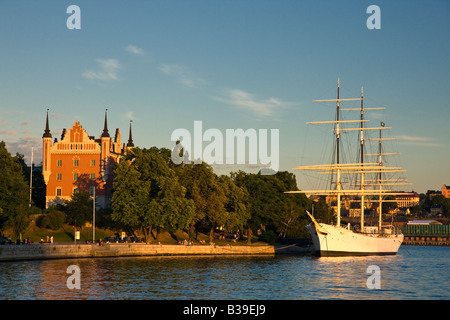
415,273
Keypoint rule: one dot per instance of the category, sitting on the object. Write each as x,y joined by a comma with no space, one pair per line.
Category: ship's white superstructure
329,240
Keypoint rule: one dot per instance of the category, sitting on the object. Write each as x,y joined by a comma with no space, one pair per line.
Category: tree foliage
14,193
38,184
53,220
148,195
79,209
270,207
152,193
236,204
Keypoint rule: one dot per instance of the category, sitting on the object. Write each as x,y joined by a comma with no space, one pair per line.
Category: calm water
415,273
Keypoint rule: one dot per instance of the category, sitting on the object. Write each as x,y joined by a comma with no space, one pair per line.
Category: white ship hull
331,240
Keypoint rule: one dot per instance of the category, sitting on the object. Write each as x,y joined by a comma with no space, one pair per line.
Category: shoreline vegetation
66,235
155,200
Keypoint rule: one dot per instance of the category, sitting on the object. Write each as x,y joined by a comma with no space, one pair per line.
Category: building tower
105,146
46,160
130,144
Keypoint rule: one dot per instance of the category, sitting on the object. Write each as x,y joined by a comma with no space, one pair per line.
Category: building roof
423,222
105,133
47,133
130,139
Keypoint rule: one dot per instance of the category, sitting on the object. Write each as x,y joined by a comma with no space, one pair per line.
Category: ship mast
337,167
338,173
361,167
362,161
380,177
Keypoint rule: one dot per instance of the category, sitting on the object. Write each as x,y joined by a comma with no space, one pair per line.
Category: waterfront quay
430,240
426,233
63,251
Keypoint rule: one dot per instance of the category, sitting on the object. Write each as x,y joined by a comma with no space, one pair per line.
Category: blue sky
231,64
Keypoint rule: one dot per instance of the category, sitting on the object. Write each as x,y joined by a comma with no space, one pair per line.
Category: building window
76,163
91,190
92,176
75,190
75,176
59,176
93,163
58,192
59,163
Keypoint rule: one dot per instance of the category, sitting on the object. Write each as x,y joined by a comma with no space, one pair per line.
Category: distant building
407,200
436,210
79,161
445,191
433,193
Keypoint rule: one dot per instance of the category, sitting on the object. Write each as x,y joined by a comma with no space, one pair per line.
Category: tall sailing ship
371,184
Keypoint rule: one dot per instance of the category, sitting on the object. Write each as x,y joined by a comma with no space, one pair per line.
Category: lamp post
31,175
93,219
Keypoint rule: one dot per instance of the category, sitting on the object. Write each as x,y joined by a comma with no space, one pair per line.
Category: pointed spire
47,133
130,139
105,133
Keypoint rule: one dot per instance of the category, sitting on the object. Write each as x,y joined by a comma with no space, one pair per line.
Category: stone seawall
64,251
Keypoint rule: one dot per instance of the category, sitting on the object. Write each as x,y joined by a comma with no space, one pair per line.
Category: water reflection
346,277
413,274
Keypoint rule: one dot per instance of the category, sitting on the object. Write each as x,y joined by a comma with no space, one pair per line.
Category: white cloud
9,133
57,115
129,115
249,101
418,141
182,74
135,50
107,71
23,146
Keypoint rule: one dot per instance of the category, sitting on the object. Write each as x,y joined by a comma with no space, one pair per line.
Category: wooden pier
423,240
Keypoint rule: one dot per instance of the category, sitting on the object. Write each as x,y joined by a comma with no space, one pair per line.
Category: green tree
54,219
322,212
20,221
389,205
236,203
259,204
14,193
79,208
443,202
129,199
216,215
38,186
292,218
148,195
269,206
208,196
